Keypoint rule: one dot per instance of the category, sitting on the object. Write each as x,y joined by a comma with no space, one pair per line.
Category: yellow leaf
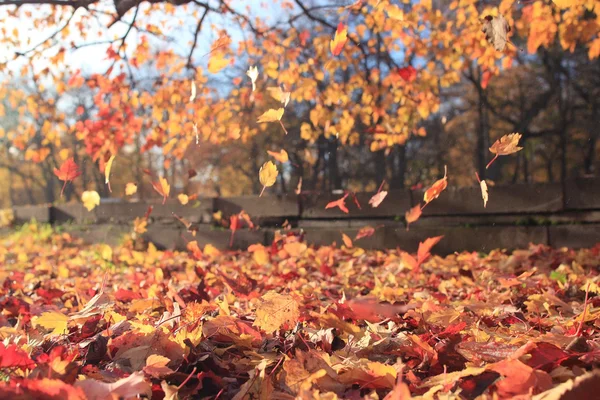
347,240
130,188
156,366
211,250
53,320
282,156
217,62
563,3
280,95
107,171
183,198
271,115
90,199
339,40
267,175
275,310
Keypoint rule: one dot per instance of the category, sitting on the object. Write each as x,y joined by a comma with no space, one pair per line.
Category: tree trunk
399,168
335,181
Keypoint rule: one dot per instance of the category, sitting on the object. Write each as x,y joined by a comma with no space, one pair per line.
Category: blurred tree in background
412,87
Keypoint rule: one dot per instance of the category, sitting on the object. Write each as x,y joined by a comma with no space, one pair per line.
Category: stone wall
516,215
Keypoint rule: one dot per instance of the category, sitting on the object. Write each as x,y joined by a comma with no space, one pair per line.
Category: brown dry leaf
156,366
425,247
370,374
574,389
377,198
436,189
276,310
281,156
347,241
507,144
496,30
126,388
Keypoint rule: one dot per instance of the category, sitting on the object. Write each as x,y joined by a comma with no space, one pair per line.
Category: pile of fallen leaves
291,321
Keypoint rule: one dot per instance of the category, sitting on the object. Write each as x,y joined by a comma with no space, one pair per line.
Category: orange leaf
425,247
413,215
347,240
339,40
276,310
436,189
162,187
365,231
67,172
282,156
341,203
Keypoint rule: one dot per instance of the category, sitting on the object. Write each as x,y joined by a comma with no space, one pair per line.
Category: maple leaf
193,248
341,203
436,189
67,172
507,144
253,75
365,231
12,356
107,169
496,30
425,247
339,40
156,366
276,310
90,199
162,187
53,320
377,198
272,115
217,62
408,74
267,175
282,156
412,215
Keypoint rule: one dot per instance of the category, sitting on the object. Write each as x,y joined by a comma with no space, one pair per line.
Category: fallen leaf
132,386
339,40
267,175
12,356
276,310
53,320
67,172
156,366
130,189
507,144
90,199
496,30
107,169
162,187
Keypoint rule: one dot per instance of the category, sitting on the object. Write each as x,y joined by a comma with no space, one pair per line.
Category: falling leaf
90,199
425,247
365,231
53,320
507,144
67,172
107,169
485,78
377,198
162,187
183,198
267,175
484,190
130,188
299,187
272,115
436,189
253,75
276,310
193,94
347,241
496,30
341,203
413,215
408,74
282,156
339,40
280,95
217,62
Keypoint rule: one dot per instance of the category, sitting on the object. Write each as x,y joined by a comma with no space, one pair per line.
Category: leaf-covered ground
289,321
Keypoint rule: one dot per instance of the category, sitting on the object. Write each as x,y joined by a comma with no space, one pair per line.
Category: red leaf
13,357
409,73
339,203
365,232
67,172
